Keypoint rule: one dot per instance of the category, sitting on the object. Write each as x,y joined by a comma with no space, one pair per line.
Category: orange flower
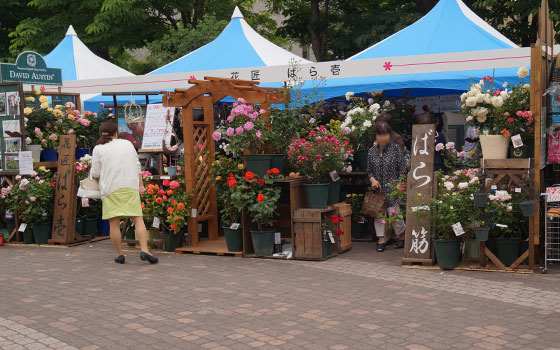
176,218
169,192
181,206
159,200
174,227
143,206
506,133
150,186
174,202
260,197
164,198
170,210
157,187
150,191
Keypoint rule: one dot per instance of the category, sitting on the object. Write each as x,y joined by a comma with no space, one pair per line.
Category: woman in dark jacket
386,166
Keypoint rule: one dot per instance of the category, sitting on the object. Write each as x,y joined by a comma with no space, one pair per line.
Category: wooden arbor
200,147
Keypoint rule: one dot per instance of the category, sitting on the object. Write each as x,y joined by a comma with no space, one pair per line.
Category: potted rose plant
359,222
506,216
232,198
330,227
315,156
263,196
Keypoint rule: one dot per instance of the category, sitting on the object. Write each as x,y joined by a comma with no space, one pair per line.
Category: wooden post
64,218
188,140
208,108
420,182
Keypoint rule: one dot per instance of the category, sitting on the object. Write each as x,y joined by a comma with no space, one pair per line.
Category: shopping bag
374,205
89,188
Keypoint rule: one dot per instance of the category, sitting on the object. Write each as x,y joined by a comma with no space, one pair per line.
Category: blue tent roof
449,27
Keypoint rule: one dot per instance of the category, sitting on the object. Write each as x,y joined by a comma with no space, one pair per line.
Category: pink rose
241,100
262,111
230,118
216,135
439,147
37,178
44,142
230,132
41,181
249,126
393,212
70,132
33,173
18,177
38,132
383,222
33,199
258,134
53,137
239,130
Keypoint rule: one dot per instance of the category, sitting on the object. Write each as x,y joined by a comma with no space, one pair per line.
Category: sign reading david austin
30,68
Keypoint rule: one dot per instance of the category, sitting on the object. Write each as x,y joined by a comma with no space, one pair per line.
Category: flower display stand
344,211
308,243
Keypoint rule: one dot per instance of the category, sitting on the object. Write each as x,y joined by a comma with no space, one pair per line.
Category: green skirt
123,203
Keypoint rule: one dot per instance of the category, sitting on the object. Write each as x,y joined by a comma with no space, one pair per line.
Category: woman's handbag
374,204
89,188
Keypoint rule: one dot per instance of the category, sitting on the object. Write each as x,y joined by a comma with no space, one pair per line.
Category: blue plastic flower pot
103,227
171,170
49,155
80,152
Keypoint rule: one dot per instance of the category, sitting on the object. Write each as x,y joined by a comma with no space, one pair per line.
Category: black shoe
151,259
381,247
119,259
399,244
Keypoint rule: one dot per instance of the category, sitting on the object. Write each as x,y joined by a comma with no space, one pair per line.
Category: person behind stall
115,163
471,143
386,166
439,164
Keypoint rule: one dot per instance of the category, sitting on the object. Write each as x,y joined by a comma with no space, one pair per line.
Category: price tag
334,175
516,141
156,223
517,190
458,229
22,227
494,187
165,177
362,220
235,226
501,225
193,213
331,237
85,202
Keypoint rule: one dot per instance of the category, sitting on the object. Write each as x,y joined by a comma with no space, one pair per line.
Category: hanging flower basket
528,208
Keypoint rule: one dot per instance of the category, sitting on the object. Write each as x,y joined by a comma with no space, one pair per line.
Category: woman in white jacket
115,163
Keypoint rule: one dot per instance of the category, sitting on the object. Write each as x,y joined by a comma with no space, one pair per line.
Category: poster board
156,127
12,133
420,182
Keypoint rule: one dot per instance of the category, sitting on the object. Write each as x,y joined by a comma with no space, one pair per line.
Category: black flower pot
480,199
528,208
481,233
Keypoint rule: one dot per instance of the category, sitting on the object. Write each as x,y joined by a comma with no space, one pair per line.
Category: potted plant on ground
232,198
359,222
330,228
263,196
506,216
315,156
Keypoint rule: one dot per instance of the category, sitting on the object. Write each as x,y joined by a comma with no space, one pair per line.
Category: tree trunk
198,12
424,6
318,35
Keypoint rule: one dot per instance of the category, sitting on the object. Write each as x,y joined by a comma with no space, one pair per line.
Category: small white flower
374,108
367,124
527,87
370,101
505,84
449,185
464,97
349,95
479,98
497,101
471,101
504,95
451,207
27,141
463,185
469,118
312,121
523,72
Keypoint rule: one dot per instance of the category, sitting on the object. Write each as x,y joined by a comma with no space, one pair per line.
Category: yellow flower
200,158
361,195
49,109
240,166
36,92
30,99
27,111
58,107
218,178
44,105
71,117
354,195
42,168
348,195
57,113
43,99
471,154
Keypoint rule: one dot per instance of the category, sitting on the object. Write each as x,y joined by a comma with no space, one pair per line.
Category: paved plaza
77,298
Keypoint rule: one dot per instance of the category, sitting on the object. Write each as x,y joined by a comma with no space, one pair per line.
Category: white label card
156,223
516,141
458,229
331,237
494,187
517,190
193,213
501,225
165,177
334,175
235,226
22,227
85,202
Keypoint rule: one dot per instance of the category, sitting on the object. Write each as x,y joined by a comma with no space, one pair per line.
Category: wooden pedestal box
344,211
309,243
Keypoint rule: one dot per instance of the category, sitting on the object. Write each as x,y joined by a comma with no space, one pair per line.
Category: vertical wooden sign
64,218
419,192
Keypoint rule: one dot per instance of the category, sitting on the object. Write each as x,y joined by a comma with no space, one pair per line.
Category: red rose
174,185
174,227
53,183
275,171
173,202
159,200
268,172
260,197
249,175
339,232
261,182
181,206
166,183
160,192
170,210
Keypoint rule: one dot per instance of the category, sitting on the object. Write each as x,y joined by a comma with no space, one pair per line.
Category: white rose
349,95
374,108
504,95
479,98
464,97
367,124
481,82
497,101
469,118
486,98
463,185
527,87
471,101
523,72
27,141
481,118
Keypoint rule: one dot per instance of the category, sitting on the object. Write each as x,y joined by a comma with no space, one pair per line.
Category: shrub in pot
315,156
359,222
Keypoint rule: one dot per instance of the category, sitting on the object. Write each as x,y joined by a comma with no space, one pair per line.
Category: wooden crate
308,241
344,210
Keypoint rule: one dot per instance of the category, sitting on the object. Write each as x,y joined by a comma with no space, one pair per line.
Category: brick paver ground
77,298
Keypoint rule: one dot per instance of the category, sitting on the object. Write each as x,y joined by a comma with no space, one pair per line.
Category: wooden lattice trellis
199,145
